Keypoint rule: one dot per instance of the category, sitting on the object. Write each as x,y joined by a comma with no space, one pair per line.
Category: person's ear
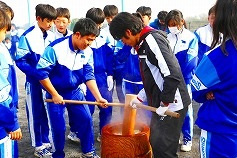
128,33
78,35
38,18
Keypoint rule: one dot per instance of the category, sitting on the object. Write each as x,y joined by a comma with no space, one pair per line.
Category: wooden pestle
129,117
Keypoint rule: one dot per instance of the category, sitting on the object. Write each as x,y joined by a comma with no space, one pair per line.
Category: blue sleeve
204,79
192,59
88,70
122,55
26,59
16,123
6,118
109,59
46,63
6,115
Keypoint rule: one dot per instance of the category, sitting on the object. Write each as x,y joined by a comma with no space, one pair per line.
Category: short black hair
96,14
110,10
162,15
175,15
63,12
143,10
211,10
45,11
124,21
86,26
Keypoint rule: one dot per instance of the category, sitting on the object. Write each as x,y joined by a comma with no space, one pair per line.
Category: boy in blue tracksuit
12,72
7,121
214,85
184,45
205,35
9,126
159,22
110,12
65,64
61,24
102,58
132,81
31,47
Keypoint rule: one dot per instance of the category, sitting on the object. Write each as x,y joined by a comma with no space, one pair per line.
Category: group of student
166,69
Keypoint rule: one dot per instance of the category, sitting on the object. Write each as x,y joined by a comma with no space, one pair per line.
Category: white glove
110,82
161,110
134,102
83,88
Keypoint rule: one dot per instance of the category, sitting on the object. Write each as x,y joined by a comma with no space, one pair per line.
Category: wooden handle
145,107
85,102
153,109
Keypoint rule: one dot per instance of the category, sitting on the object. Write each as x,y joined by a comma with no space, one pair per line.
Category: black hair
175,15
110,10
162,15
138,15
211,10
225,22
63,12
96,14
7,9
5,21
86,26
144,11
45,11
124,21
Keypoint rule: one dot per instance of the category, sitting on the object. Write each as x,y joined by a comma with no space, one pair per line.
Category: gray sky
78,8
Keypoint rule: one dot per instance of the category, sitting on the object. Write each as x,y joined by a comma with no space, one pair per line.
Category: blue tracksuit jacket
205,37
217,73
185,47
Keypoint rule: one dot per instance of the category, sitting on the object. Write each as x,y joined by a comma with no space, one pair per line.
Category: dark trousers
165,133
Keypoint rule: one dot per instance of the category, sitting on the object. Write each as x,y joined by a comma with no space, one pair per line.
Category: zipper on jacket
175,43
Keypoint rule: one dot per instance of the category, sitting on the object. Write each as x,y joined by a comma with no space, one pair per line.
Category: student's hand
110,82
161,110
210,96
16,135
103,102
58,99
134,102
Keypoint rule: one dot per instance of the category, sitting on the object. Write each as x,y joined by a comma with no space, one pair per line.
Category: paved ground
72,149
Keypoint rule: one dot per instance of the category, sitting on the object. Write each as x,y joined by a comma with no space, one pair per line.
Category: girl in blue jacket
184,45
214,84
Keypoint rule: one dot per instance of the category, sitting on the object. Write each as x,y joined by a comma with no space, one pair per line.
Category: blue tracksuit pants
80,122
36,114
105,114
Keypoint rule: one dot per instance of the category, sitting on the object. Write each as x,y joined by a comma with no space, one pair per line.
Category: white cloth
161,110
110,82
134,102
83,88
